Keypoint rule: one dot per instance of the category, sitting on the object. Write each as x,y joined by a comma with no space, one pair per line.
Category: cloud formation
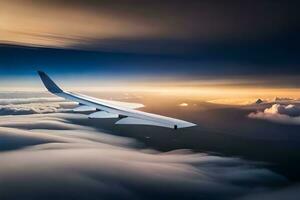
30,100
23,106
183,104
283,99
23,109
54,158
285,114
136,24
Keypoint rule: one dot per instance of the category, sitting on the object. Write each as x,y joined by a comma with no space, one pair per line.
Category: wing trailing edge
103,115
136,121
84,108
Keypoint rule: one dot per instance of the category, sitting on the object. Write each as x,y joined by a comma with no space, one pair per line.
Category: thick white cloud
286,114
30,100
45,156
21,106
290,110
21,109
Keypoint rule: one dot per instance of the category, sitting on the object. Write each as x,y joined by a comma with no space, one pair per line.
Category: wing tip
40,72
185,125
48,83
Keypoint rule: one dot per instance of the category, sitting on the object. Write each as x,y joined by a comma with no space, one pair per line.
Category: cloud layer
45,156
28,109
9,101
136,24
22,106
285,114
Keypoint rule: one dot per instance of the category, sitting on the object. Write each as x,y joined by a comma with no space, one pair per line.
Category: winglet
49,84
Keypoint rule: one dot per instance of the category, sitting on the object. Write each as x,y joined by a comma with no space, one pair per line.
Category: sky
250,44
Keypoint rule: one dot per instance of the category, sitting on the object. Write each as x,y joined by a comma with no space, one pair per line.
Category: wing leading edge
113,109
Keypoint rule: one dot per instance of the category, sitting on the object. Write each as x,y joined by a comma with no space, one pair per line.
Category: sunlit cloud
284,114
14,101
21,106
183,104
234,101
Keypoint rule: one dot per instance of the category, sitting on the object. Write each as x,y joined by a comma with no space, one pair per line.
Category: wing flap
103,115
84,108
136,121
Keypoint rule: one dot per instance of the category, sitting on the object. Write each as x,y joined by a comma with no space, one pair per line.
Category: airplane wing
113,109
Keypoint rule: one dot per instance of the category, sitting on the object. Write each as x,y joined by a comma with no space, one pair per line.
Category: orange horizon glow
220,94
233,91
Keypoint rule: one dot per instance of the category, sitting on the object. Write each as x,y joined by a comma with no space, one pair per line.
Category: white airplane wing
114,109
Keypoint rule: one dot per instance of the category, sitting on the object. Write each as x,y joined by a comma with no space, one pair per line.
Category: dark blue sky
278,55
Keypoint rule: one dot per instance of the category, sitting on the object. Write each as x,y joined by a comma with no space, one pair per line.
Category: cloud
283,99
32,108
290,110
27,109
286,114
30,100
233,101
25,106
183,104
55,158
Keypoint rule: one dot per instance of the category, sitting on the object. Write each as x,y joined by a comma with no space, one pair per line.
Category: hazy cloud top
65,160
279,113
